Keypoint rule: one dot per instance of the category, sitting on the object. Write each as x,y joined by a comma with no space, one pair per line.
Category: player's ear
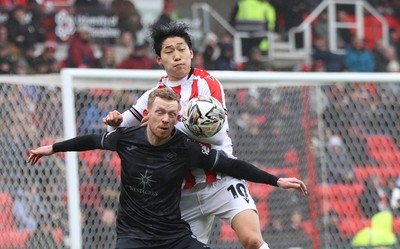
178,118
145,112
158,60
191,54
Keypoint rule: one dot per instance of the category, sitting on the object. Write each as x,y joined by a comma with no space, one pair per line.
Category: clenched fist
113,119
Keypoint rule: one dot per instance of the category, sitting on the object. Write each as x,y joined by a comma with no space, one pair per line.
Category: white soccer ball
203,116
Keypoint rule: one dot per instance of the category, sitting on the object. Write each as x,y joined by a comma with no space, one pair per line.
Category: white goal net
338,132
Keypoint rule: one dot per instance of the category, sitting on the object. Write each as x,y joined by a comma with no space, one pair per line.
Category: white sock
264,246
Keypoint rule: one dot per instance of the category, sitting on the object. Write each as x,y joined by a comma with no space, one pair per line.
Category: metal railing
333,25
202,14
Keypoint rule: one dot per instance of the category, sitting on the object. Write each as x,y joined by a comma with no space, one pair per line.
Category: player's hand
293,183
36,154
113,119
144,120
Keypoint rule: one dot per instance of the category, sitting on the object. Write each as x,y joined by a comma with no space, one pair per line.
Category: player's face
162,117
175,57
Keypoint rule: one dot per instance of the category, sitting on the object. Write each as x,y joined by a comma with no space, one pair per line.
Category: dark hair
160,32
163,93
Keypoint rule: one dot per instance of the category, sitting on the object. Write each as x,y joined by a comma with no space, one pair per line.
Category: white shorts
224,199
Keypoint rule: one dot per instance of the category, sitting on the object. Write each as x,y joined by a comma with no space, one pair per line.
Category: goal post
283,122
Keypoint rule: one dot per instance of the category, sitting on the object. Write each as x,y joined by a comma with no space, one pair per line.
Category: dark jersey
151,181
152,177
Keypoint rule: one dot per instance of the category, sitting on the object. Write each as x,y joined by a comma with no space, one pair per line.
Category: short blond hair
163,93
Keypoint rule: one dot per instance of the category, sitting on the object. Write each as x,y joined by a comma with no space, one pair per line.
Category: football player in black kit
155,158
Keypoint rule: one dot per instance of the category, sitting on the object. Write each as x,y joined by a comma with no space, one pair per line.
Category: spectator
320,28
106,237
210,51
357,58
7,61
24,219
380,234
46,62
88,6
275,233
340,166
296,237
281,203
355,140
123,47
42,236
332,62
395,198
20,32
5,41
138,59
80,52
374,198
107,59
331,236
249,139
253,16
168,13
255,62
345,34
90,120
225,60
379,56
129,18
392,65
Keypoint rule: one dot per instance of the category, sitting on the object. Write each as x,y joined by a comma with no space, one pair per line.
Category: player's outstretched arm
247,171
38,153
81,143
292,183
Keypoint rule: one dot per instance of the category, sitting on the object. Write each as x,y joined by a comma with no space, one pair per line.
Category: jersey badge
205,149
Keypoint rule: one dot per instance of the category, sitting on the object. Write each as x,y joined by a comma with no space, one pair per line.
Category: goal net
338,132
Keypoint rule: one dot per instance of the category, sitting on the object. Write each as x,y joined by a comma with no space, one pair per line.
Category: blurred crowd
268,125
30,44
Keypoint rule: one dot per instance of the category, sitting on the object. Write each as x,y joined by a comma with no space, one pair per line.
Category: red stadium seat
259,191
91,157
89,194
342,198
6,213
226,233
396,225
292,157
385,171
14,239
58,235
116,163
383,149
349,227
308,227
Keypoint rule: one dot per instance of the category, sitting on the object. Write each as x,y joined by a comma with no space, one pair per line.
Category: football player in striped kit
206,194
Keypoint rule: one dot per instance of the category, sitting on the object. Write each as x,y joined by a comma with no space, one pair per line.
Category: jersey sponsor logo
142,191
145,180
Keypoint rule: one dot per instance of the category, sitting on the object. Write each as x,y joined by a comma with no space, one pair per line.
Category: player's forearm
244,170
81,143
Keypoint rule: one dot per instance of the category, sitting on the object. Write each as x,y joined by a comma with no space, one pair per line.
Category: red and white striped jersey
198,82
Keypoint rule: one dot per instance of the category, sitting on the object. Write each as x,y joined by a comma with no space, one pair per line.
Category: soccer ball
203,116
